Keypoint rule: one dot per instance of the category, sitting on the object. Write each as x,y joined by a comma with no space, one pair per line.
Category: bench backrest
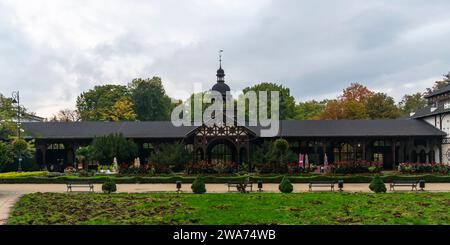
405,181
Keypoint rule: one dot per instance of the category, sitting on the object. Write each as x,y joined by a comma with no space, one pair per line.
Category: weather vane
220,57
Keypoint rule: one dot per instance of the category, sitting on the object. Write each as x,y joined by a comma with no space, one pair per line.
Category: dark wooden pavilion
387,141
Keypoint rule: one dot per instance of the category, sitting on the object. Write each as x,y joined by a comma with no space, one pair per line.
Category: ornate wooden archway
235,137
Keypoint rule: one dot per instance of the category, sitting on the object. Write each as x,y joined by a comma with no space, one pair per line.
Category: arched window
221,153
343,152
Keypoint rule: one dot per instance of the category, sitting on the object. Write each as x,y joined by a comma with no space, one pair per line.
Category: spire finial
220,58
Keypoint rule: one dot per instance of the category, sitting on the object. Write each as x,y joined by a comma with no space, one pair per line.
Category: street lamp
16,100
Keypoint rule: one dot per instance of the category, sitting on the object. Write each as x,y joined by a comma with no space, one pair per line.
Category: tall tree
122,110
309,110
412,102
287,101
97,103
66,115
332,111
7,112
382,106
440,84
151,102
350,105
105,148
6,153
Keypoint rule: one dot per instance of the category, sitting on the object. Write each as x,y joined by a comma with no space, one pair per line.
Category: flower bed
353,167
129,169
294,169
408,167
357,178
203,167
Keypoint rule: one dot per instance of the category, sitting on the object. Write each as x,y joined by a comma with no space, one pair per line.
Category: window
343,153
55,147
378,157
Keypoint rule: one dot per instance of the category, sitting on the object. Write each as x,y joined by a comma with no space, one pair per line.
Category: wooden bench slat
79,185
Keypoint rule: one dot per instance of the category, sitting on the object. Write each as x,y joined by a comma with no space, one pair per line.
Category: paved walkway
211,188
10,193
7,201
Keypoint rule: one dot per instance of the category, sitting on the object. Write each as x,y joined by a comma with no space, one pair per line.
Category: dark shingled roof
356,128
64,130
429,111
439,91
323,128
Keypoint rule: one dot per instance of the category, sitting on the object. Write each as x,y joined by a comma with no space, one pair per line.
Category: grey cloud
314,47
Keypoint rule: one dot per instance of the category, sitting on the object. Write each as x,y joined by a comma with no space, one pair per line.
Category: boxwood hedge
429,178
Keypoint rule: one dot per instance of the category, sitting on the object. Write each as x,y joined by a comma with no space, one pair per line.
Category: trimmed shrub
285,186
109,186
198,186
377,185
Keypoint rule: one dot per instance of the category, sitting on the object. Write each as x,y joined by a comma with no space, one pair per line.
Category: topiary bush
109,186
198,186
285,186
377,185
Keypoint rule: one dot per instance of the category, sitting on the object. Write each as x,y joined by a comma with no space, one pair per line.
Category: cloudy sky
53,50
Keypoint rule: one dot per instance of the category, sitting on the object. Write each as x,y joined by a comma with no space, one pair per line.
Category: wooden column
363,145
394,142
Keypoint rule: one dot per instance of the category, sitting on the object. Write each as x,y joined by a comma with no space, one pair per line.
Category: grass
233,208
22,174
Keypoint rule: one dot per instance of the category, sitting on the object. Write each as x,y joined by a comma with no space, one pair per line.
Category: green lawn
265,208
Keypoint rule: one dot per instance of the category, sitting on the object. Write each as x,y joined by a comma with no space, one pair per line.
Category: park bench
330,184
241,186
409,183
80,185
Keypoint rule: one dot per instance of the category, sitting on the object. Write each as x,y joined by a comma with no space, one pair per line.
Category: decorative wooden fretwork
221,130
446,141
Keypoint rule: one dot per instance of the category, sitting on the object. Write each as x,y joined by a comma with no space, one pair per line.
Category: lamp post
16,100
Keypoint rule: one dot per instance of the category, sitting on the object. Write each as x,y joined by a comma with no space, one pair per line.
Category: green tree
105,148
281,146
382,106
122,110
109,186
7,112
287,101
440,84
309,110
413,102
97,104
285,185
377,185
151,102
84,154
20,146
6,153
263,153
198,186
171,154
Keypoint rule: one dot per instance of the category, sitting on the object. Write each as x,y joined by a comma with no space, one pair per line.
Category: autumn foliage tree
350,105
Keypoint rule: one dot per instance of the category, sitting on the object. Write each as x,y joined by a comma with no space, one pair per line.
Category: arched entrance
221,150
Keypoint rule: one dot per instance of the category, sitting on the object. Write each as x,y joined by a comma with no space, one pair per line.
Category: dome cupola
220,85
